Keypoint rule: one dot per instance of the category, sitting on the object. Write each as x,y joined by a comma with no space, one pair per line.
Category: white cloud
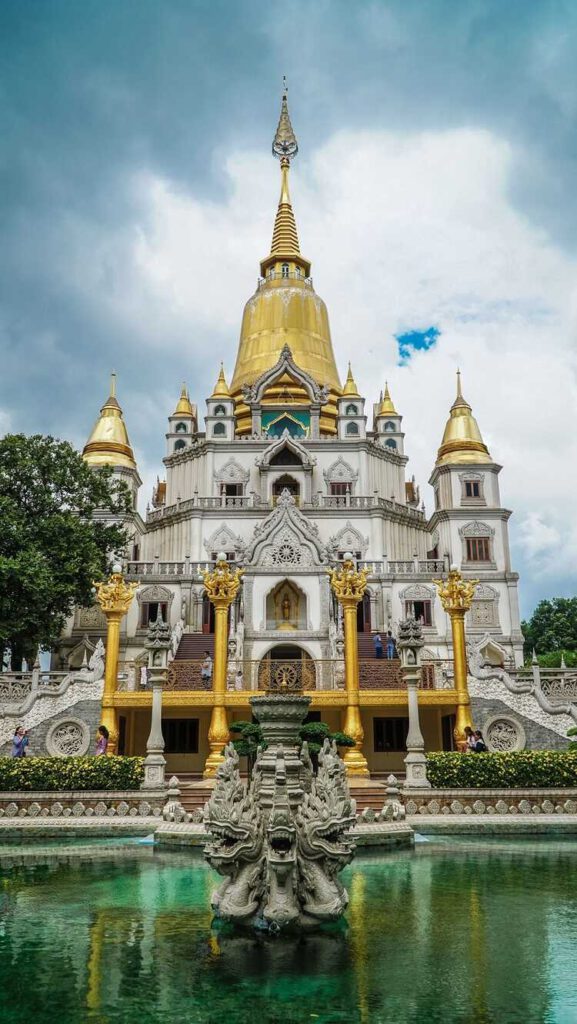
404,231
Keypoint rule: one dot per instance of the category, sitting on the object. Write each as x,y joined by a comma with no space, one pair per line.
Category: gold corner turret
108,444
350,389
462,441
285,310
184,406
387,407
221,388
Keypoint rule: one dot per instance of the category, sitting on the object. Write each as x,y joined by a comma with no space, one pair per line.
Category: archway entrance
287,667
364,614
288,483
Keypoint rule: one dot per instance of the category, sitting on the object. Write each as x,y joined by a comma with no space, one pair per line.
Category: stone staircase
192,646
194,792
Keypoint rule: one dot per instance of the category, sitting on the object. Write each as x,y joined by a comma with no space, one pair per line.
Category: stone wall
86,712
537,737
490,801
95,804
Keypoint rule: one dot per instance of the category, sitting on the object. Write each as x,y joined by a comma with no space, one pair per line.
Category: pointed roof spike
108,443
462,440
284,144
387,407
350,387
534,659
184,405
221,388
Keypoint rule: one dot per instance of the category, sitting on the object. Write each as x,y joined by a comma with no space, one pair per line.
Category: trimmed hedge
51,774
521,769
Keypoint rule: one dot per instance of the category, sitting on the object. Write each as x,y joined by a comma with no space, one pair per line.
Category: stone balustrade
333,502
490,801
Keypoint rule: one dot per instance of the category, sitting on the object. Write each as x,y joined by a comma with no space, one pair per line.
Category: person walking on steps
378,645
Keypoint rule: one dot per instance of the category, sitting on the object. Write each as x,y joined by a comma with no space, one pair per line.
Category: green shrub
70,773
521,769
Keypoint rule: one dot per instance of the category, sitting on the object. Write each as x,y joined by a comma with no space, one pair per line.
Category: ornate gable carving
340,472
285,441
477,529
253,393
347,539
155,593
231,473
285,538
223,539
483,592
417,592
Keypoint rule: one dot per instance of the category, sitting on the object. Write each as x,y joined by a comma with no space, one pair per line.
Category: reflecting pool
456,931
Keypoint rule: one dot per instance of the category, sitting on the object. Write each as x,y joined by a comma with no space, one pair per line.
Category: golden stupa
462,441
108,443
285,310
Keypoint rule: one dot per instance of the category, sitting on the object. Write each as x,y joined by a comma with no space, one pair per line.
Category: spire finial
285,145
221,389
350,387
459,392
113,384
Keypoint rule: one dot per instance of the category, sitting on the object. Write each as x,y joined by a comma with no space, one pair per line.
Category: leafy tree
552,626
56,537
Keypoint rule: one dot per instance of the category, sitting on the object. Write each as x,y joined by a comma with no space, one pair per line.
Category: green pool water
456,931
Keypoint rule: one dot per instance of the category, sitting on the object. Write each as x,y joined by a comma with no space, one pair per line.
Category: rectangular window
230,555
340,488
419,610
390,734
447,732
233,490
180,735
478,549
149,612
472,489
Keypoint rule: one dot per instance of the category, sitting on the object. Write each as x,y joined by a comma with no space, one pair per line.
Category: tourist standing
206,668
470,740
20,742
378,645
391,649
102,737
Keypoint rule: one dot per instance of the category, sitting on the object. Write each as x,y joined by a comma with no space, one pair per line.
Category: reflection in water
453,932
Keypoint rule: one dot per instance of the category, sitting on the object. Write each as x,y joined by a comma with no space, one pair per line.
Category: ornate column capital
455,592
222,583
348,583
115,595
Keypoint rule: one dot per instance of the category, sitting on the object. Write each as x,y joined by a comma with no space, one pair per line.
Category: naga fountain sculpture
280,840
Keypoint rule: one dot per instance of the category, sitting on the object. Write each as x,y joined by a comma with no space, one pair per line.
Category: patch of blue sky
415,341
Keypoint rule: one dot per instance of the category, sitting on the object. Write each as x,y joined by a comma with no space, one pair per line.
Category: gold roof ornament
221,388
462,441
184,406
108,444
350,389
285,309
386,407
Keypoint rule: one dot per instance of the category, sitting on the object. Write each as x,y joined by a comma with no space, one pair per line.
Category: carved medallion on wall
69,737
503,734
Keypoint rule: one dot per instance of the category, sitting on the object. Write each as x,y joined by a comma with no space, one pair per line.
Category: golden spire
285,239
221,389
462,441
184,405
350,389
387,408
108,443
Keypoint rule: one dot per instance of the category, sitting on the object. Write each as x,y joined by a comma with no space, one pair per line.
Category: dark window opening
351,410
472,489
352,429
149,612
219,410
233,490
180,735
447,732
389,426
340,488
478,549
181,428
285,457
121,734
420,611
390,443
179,445
218,430
390,734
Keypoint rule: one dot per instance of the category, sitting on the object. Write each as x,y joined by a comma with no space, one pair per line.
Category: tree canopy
60,523
552,626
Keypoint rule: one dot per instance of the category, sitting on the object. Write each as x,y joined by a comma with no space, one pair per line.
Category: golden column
349,585
456,596
114,597
221,584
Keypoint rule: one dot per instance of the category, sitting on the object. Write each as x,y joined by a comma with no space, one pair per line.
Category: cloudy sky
434,192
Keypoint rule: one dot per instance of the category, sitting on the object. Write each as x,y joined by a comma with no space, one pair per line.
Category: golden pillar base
354,759
218,737
462,719
108,718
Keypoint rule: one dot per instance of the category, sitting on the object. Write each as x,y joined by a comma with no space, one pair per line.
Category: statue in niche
286,608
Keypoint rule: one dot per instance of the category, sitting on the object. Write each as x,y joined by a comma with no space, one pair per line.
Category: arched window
352,429
219,410
389,426
390,443
178,445
218,430
181,428
351,410
285,269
